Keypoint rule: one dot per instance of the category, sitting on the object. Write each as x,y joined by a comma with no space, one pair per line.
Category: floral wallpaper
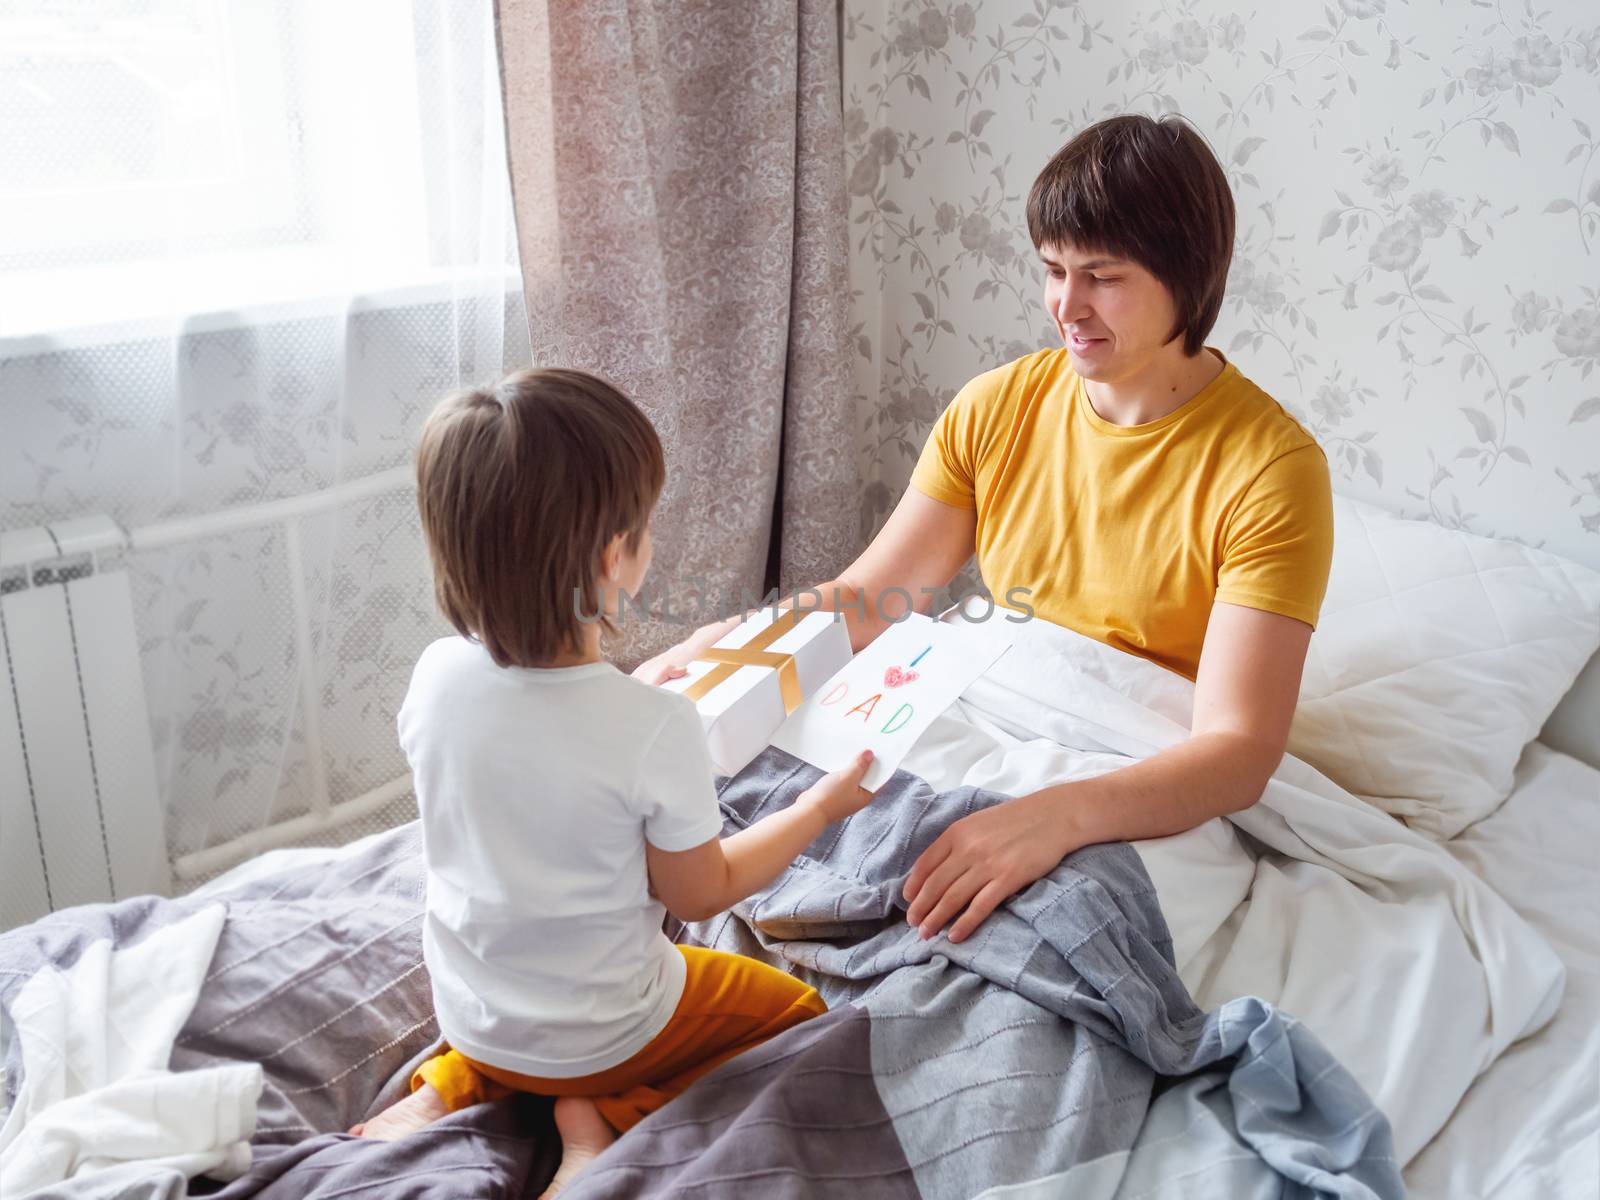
1417,268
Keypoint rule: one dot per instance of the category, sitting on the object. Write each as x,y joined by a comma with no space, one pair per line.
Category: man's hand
1244,700
984,858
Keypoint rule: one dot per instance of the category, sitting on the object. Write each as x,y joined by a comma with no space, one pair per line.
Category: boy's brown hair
521,487
1151,192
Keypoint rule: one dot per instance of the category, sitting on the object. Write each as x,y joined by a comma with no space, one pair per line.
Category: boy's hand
658,670
669,664
839,793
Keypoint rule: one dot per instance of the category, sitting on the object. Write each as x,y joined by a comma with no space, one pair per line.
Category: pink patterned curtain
677,174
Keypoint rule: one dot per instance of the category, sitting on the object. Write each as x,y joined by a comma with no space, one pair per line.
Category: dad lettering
896,722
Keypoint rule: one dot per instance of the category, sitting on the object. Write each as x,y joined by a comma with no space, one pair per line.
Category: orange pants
730,1004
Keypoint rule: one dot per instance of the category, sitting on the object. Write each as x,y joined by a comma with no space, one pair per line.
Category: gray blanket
1054,1053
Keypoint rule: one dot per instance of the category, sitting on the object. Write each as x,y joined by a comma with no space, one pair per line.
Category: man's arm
1245,695
919,549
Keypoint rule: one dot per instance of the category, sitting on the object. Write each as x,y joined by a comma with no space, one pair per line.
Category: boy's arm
698,883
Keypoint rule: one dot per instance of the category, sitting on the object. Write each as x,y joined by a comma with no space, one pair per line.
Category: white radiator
80,814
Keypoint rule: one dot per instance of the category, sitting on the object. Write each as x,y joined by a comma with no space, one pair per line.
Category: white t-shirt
538,789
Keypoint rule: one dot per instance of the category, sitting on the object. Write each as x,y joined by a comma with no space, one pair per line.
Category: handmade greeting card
887,695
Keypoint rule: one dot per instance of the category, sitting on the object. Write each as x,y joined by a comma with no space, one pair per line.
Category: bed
1435,933
1530,1127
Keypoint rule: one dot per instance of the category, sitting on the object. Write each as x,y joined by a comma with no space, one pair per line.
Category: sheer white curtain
243,249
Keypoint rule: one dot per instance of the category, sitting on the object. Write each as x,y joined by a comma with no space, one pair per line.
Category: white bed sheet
1530,1126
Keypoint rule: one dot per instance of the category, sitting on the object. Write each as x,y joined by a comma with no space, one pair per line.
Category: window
160,158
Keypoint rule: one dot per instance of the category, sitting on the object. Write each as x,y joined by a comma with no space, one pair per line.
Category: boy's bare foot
584,1134
423,1107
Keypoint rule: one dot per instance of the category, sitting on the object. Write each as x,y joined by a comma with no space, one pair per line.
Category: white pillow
1438,657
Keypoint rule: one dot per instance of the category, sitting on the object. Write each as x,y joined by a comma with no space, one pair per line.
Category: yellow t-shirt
1128,533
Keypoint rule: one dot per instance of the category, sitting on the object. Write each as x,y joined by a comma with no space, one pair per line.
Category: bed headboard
1574,727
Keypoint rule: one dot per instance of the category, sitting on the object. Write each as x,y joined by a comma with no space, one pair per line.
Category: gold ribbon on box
754,653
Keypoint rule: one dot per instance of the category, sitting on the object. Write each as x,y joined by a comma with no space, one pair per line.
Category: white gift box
753,678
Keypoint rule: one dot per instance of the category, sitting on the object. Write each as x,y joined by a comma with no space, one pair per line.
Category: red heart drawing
894,677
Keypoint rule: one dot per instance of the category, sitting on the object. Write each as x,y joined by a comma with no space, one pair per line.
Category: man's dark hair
1151,192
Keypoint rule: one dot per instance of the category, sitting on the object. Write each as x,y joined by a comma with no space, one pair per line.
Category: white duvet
97,1101
1410,969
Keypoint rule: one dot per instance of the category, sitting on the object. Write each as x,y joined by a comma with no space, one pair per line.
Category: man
1133,486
